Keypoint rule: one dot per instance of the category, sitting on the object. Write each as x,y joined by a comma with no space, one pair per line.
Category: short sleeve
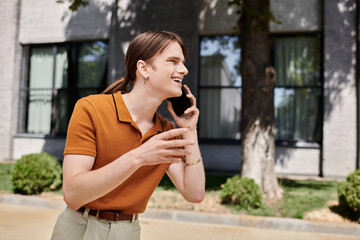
81,137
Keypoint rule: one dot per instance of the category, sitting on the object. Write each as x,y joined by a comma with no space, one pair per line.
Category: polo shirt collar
123,114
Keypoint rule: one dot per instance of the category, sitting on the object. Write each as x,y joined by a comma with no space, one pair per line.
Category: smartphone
180,104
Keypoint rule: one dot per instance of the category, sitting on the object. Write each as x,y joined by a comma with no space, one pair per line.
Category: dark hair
144,47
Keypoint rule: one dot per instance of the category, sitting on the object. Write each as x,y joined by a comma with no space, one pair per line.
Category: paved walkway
21,220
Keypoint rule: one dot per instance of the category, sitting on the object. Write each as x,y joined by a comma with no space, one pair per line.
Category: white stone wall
297,161
26,145
44,21
289,161
9,75
216,17
340,117
296,16
221,158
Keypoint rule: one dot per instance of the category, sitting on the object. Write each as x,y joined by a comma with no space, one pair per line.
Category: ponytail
118,85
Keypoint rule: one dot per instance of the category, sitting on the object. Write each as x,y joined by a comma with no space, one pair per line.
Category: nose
182,69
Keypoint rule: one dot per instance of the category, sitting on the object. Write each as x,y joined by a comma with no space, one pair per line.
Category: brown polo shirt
101,126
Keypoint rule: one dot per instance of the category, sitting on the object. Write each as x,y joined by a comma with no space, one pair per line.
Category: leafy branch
75,4
259,17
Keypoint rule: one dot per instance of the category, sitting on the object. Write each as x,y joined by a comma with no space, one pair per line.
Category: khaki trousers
73,225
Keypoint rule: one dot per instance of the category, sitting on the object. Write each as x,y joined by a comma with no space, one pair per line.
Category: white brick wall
8,75
296,16
27,145
223,158
297,161
227,158
340,128
44,21
216,17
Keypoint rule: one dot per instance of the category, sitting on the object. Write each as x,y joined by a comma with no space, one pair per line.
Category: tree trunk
257,121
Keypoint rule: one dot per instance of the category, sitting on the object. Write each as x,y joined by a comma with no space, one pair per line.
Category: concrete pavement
19,222
175,230
33,218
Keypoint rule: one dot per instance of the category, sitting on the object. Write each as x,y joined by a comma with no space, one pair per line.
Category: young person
118,147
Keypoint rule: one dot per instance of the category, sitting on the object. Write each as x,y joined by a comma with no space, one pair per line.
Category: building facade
50,57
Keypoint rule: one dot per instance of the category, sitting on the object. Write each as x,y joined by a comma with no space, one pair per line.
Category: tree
257,117
75,4
257,128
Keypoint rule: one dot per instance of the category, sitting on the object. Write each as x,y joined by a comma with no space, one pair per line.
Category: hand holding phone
180,104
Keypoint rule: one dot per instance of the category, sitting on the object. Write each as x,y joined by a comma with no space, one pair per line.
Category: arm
189,180
82,185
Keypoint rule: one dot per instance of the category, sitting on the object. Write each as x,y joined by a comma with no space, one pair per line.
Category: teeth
177,80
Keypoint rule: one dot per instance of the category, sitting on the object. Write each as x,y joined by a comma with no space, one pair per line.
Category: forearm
87,186
194,175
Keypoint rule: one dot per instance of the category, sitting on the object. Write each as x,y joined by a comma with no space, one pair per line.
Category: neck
142,104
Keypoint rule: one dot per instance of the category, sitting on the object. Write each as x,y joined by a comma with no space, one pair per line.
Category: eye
172,60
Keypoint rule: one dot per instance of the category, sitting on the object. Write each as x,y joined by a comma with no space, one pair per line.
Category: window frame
71,88
294,143
278,142
223,141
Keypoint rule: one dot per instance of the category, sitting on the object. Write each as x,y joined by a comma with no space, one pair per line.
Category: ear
142,68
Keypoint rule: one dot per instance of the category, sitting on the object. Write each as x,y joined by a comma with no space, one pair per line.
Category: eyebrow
177,58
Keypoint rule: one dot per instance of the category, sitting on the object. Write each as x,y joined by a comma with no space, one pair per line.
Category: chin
178,94
175,94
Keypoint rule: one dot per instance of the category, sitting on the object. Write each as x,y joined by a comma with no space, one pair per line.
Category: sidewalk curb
33,201
197,217
287,224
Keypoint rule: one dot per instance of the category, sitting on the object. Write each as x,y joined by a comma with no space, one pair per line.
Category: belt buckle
97,214
116,215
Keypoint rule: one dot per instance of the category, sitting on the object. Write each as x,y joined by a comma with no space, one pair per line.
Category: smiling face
167,70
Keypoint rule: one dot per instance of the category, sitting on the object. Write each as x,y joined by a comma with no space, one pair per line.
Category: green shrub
349,195
35,173
243,192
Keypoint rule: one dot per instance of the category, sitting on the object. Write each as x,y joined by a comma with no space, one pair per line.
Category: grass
5,177
300,196
305,195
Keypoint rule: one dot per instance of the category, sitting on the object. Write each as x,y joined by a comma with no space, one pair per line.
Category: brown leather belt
110,215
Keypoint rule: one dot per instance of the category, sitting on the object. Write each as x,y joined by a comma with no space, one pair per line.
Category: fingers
174,160
187,89
172,133
174,155
176,143
174,152
193,110
190,95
